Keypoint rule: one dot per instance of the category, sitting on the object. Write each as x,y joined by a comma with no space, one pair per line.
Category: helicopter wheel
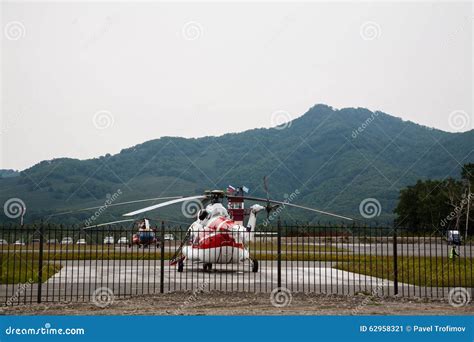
180,266
254,265
207,266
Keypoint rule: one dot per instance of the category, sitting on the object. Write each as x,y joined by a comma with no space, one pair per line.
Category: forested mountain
335,158
8,173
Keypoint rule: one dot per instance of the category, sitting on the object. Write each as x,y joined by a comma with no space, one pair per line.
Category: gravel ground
217,303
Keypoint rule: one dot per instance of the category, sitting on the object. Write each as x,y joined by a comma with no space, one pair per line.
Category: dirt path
216,303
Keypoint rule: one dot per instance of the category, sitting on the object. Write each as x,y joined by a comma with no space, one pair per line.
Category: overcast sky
85,79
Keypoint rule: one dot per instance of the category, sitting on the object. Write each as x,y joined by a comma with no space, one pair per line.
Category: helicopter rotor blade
165,204
295,206
108,223
116,204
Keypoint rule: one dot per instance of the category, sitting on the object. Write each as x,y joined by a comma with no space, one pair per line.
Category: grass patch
306,248
16,270
421,271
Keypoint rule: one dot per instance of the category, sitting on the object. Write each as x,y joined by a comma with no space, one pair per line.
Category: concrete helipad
79,280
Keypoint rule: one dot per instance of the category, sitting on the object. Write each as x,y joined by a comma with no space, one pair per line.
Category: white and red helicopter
217,238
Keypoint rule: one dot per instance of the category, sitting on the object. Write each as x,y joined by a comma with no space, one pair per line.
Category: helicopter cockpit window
236,205
202,214
218,211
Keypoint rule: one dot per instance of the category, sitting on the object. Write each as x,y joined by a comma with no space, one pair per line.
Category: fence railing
43,263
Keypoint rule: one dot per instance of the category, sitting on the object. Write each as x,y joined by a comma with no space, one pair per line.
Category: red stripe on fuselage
218,240
221,224
215,235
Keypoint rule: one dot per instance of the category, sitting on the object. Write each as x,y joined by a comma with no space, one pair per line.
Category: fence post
162,258
40,262
395,262
279,252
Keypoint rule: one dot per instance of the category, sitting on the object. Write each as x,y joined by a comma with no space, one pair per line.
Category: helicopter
215,237
145,236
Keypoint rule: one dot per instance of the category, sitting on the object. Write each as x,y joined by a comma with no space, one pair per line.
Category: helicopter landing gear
254,265
180,266
207,266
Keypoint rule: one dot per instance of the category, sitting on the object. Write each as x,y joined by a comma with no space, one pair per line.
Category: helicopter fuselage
217,239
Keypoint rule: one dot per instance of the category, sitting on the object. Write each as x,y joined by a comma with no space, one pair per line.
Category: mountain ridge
317,153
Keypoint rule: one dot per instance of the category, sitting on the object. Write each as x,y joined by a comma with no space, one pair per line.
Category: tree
467,174
437,204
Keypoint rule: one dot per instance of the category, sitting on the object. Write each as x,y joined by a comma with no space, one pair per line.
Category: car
123,241
67,241
81,242
109,240
18,243
169,237
52,242
3,242
454,237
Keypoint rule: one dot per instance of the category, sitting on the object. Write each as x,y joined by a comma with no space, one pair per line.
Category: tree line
439,204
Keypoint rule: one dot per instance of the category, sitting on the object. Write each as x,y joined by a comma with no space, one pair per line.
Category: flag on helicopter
245,189
230,189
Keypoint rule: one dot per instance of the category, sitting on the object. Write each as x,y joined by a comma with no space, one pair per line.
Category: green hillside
322,154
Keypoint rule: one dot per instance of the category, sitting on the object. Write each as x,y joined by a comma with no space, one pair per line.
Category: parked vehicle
81,242
454,237
109,240
123,241
3,242
169,237
67,241
18,243
52,242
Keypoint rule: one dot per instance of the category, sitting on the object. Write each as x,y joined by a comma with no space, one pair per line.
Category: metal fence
45,263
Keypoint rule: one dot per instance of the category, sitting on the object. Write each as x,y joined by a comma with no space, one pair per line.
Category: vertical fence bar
40,262
279,252
395,262
162,258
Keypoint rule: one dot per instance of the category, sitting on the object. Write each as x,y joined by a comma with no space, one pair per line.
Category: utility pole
468,205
